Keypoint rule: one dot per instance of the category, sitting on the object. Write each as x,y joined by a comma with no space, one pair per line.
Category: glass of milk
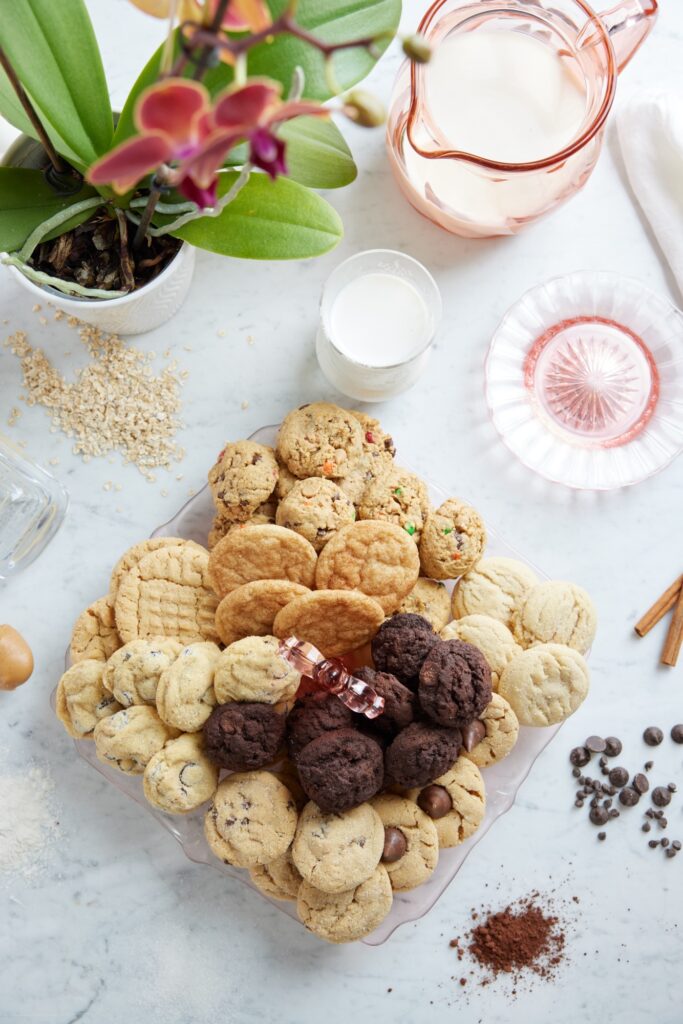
379,313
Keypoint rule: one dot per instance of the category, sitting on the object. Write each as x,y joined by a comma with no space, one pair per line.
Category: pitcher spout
628,25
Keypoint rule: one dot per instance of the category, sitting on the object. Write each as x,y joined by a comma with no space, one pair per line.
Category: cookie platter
502,780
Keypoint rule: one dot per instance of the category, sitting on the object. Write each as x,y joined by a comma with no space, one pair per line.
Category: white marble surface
121,926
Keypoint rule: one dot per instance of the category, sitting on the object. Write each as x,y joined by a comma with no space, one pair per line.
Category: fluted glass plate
502,780
584,380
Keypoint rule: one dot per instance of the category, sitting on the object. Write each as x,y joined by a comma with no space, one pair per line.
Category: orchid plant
220,142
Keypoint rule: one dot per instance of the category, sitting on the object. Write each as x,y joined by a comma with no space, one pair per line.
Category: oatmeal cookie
132,673
130,738
243,477
545,684
400,498
320,440
376,459
501,730
94,635
222,525
456,801
431,600
82,700
493,638
180,777
185,694
285,481
494,587
250,610
335,852
341,769
334,621
252,670
411,842
167,594
375,558
252,819
346,916
556,612
261,553
316,509
453,540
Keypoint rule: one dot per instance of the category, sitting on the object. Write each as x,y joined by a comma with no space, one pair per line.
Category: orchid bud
364,108
417,49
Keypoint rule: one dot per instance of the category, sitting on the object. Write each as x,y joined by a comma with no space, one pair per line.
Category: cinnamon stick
674,638
659,609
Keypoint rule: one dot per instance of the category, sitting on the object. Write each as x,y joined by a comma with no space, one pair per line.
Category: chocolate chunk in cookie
400,703
341,769
420,754
313,715
242,737
455,683
400,646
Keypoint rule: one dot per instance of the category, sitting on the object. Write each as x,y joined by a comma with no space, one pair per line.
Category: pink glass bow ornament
180,130
331,674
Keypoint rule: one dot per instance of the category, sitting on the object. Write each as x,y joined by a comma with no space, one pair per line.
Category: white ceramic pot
141,311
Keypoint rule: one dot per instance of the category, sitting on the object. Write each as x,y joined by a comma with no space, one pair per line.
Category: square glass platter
502,780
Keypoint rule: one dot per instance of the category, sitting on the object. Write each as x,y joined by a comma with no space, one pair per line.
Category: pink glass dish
584,381
502,780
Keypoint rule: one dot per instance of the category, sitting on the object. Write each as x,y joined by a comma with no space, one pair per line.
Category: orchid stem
127,273
214,28
53,156
146,218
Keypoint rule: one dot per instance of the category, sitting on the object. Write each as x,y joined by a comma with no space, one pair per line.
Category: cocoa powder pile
525,939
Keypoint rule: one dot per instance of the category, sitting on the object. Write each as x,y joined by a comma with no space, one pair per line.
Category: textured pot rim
44,290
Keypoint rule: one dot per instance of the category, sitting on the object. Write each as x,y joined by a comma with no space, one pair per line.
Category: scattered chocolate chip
628,797
607,804
578,803
618,777
677,734
664,841
596,744
653,843
661,796
435,801
602,835
653,736
576,772
640,783
658,814
646,827
663,822
613,746
472,734
676,844
648,766
649,813
579,756
598,815
614,813
395,845
671,852
603,761
611,790
671,787
605,771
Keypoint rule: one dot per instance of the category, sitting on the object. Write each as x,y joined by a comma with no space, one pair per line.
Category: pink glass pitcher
507,119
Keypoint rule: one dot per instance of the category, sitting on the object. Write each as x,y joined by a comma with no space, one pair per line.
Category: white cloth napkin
651,136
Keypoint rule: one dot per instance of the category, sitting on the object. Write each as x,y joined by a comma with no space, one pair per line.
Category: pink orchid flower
178,127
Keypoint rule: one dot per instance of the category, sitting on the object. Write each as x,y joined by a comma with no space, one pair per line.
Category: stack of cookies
176,674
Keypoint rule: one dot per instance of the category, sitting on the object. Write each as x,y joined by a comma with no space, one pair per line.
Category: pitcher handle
627,23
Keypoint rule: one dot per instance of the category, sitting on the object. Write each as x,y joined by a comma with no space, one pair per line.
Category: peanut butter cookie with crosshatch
95,636
376,558
168,594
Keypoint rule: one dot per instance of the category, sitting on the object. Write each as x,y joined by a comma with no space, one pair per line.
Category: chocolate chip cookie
336,852
243,477
252,819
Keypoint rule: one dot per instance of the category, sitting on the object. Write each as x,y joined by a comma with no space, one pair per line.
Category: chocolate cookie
341,769
313,715
400,646
243,737
455,683
420,754
400,703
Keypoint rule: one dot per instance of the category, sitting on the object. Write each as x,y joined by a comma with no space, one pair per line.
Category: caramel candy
16,659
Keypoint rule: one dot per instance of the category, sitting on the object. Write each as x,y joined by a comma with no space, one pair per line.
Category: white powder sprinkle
28,822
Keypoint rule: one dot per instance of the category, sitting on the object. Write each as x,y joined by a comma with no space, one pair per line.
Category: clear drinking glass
32,507
470,193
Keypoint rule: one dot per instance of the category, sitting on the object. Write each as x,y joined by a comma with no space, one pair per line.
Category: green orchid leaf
317,154
268,220
53,49
26,200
